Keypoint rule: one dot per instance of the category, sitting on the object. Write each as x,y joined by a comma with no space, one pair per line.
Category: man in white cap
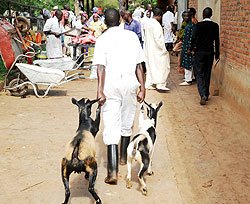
54,10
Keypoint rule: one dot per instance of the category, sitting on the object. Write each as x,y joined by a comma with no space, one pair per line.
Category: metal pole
77,7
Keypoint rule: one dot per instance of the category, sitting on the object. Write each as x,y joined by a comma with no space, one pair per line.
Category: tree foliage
142,3
106,4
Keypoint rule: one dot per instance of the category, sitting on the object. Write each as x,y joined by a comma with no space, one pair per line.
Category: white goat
141,147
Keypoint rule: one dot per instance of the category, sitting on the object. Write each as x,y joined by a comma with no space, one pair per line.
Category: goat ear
159,106
74,101
141,106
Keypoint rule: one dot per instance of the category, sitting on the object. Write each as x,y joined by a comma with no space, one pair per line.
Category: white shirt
206,19
119,51
144,21
53,25
78,25
167,19
176,18
53,44
145,14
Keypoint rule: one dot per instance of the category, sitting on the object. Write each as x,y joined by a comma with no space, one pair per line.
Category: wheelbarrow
34,75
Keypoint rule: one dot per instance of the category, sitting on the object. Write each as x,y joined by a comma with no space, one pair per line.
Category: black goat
141,147
80,151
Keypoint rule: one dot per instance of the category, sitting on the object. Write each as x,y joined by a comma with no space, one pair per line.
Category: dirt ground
202,153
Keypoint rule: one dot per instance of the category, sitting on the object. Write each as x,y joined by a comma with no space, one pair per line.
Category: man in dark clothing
205,34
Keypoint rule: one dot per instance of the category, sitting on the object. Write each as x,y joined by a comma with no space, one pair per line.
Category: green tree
142,3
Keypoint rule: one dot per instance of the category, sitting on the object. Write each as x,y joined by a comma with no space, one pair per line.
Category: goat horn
95,100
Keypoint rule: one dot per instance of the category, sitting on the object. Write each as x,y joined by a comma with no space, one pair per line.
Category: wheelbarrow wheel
24,24
20,91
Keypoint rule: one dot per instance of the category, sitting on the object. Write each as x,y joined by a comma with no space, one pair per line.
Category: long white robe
157,57
167,19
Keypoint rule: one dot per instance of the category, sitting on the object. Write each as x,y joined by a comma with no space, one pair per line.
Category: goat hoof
144,191
128,185
99,202
86,176
150,173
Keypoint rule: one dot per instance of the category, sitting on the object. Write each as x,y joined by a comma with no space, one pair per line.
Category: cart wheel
24,24
18,91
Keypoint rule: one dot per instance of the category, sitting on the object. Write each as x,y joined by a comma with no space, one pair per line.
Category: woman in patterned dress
97,25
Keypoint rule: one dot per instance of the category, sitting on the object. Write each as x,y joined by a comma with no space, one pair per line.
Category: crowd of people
64,21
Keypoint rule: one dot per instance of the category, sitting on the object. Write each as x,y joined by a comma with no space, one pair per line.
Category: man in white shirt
118,55
53,29
149,9
168,26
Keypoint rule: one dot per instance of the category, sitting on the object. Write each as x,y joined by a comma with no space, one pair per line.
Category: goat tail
134,149
74,157
136,143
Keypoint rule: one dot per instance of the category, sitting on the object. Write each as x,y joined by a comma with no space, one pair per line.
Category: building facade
232,76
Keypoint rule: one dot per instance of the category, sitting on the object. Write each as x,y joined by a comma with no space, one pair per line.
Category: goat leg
150,172
92,178
144,166
65,179
86,175
97,119
129,165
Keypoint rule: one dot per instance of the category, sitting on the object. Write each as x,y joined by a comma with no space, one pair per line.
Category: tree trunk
123,5
77,9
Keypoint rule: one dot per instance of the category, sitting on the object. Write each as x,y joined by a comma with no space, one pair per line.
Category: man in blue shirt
132,25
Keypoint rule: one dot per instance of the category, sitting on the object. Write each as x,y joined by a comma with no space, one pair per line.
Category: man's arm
194,39
140,77
47,29
217,42
172,26
101,80
52,33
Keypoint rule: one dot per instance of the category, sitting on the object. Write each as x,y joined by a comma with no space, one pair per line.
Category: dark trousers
202,67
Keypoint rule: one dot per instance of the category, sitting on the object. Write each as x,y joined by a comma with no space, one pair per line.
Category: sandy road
201,155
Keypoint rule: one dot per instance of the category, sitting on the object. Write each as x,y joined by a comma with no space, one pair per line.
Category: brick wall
193,3
235,33
232,74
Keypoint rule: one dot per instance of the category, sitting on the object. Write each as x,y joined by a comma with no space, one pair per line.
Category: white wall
182,6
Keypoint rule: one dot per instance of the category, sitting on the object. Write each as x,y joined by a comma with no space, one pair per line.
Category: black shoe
123,150
112,167
203,100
